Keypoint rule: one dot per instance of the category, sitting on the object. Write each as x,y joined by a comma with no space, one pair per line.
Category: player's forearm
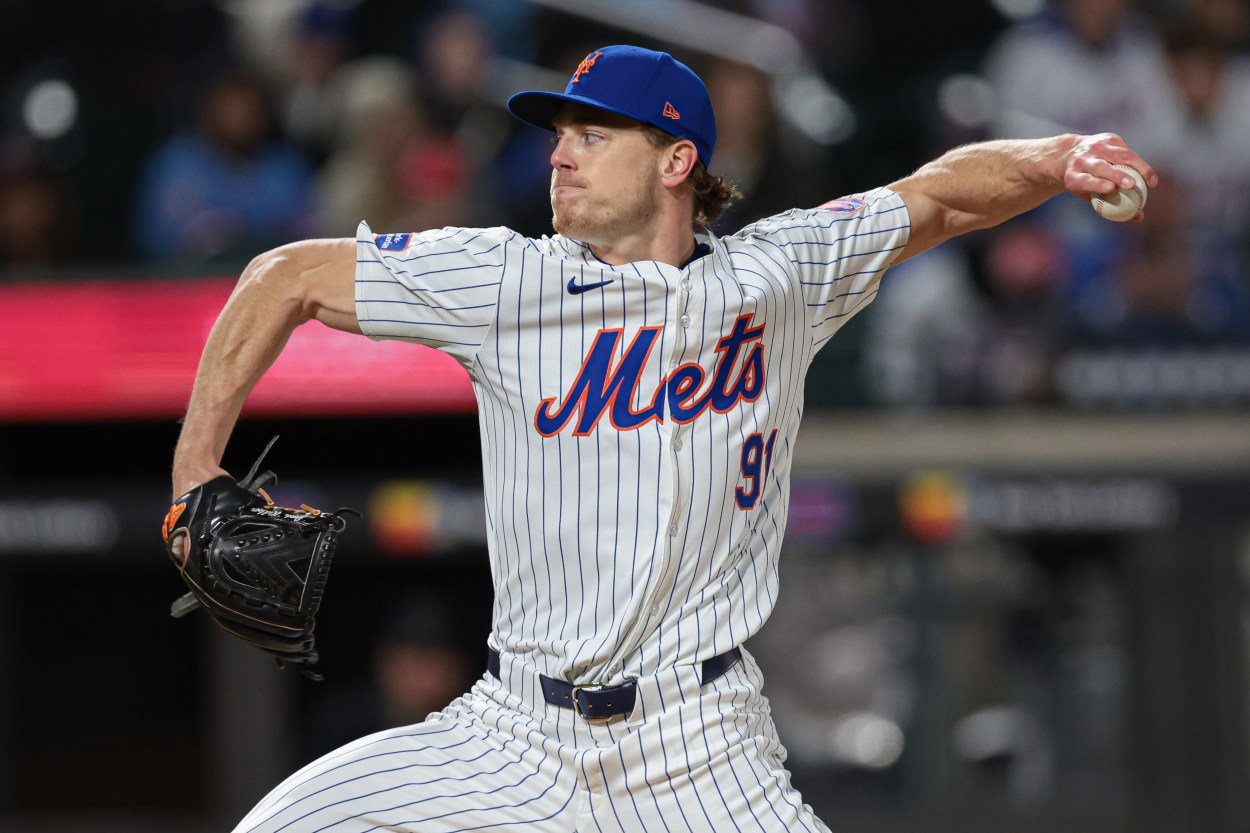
276,293
980,185
253,327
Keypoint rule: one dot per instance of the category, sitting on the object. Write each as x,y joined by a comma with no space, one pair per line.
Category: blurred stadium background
1015,586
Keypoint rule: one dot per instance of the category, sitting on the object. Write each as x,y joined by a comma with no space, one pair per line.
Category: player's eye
588,137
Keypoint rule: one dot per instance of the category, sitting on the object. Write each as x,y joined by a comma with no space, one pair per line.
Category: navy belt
595,702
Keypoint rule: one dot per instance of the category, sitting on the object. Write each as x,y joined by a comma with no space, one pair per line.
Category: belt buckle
577,704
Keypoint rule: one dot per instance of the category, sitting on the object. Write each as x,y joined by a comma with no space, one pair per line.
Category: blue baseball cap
641,84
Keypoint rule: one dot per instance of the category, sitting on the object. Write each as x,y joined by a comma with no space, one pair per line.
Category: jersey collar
703,246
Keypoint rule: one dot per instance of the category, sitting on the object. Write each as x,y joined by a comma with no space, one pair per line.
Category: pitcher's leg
475,766
709,763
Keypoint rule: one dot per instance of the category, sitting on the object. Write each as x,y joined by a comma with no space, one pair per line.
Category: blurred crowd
998,317
270,122
210,131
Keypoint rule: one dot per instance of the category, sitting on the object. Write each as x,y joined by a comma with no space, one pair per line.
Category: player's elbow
937,212
275,275
312,279
934,224
955,222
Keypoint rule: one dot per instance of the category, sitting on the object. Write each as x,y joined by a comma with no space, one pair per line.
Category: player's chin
565,222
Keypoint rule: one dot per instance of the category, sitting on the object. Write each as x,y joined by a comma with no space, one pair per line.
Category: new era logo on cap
641,84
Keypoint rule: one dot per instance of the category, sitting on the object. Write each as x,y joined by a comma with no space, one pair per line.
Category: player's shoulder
449,239
550,245
494,246
879,208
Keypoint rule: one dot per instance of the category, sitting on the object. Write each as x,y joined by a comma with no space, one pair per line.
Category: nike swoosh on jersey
578,288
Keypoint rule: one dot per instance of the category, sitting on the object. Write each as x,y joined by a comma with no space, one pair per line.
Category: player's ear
677,162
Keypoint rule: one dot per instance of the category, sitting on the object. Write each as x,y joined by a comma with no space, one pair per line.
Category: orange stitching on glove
171,518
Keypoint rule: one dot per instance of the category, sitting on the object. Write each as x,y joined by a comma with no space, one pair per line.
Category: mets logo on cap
585,65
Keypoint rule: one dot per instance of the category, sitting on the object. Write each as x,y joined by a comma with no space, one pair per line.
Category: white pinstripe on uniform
637,440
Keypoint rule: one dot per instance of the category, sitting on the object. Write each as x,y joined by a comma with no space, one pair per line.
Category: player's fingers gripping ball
1122,204
258,569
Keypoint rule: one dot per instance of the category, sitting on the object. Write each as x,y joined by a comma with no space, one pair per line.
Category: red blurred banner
125,349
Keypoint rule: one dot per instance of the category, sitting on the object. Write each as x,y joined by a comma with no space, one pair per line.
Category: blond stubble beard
601,224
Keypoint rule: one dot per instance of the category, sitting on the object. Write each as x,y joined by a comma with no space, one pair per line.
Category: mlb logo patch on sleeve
392,242
842,205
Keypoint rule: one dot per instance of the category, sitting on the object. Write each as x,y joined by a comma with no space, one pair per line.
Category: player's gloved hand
258,569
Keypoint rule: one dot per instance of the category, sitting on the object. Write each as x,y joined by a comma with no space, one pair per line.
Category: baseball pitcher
640,386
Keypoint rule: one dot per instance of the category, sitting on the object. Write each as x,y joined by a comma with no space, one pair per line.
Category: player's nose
560,156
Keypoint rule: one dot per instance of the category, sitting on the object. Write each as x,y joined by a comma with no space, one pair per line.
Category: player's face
604,179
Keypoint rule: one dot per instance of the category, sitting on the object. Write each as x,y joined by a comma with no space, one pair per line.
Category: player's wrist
197,459
184,479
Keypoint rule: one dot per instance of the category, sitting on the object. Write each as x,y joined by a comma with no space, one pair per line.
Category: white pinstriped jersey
637,421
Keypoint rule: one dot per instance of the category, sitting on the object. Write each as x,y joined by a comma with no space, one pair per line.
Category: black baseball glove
258,569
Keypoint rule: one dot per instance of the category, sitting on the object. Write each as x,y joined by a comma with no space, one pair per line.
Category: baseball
1122,204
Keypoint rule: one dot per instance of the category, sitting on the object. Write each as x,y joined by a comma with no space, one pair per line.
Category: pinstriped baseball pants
691,758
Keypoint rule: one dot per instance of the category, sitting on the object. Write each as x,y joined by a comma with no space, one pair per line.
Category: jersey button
676,443
672,530
686,284
685,320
